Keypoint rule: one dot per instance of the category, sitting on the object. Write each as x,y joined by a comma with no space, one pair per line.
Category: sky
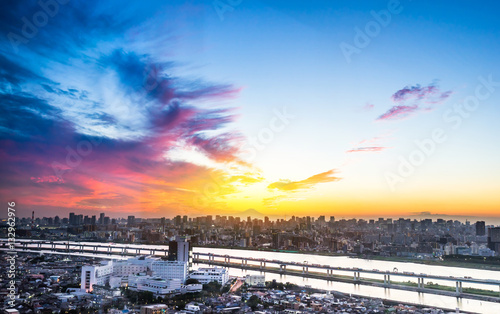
164,108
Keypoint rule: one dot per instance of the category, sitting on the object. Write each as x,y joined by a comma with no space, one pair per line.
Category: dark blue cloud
61,27
62,92
12,74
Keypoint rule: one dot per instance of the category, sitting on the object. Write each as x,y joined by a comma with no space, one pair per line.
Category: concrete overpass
327,271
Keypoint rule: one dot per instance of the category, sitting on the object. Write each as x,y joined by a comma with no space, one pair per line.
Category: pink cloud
287,185
367,149
412,99
368,107
398,112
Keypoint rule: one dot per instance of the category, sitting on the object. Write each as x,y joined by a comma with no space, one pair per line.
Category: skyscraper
494,239
480,228
276,239
178,250
130,220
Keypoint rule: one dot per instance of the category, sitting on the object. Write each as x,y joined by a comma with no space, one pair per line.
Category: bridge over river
306,269
328,271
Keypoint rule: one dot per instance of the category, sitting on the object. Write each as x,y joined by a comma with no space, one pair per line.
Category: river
370,291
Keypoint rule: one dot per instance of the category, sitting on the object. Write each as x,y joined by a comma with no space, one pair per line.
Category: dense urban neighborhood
407,238
55,282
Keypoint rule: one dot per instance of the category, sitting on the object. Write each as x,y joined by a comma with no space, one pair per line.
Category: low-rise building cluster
52,283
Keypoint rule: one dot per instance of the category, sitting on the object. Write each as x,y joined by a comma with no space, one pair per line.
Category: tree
145,297
212,287
253,301
225,289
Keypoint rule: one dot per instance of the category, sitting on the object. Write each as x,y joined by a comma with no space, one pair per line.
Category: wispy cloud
412,99
373,144
398,112
288,185
107,121
367,149
368,107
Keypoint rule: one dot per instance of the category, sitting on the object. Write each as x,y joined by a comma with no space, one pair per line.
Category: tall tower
480,228
32,220
179,250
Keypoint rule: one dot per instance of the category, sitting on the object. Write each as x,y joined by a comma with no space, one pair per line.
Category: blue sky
174,93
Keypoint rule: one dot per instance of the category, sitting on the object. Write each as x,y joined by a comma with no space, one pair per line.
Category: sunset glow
168,109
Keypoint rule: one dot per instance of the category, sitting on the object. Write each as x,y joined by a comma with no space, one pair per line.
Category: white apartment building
156,285
100,274
132,266
206,275
170,269
96,275
255,280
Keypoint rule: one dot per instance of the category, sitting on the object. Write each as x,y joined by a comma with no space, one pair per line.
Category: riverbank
466,262
392,302
436,262
468,293
449,263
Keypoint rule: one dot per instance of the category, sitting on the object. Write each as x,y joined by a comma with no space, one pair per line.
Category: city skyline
184,109
251,215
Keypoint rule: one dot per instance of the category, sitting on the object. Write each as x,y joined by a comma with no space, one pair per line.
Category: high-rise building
494,239
178,220
72,219
480,228
130,220
101,218
178,250
276,239
96,275
390,228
